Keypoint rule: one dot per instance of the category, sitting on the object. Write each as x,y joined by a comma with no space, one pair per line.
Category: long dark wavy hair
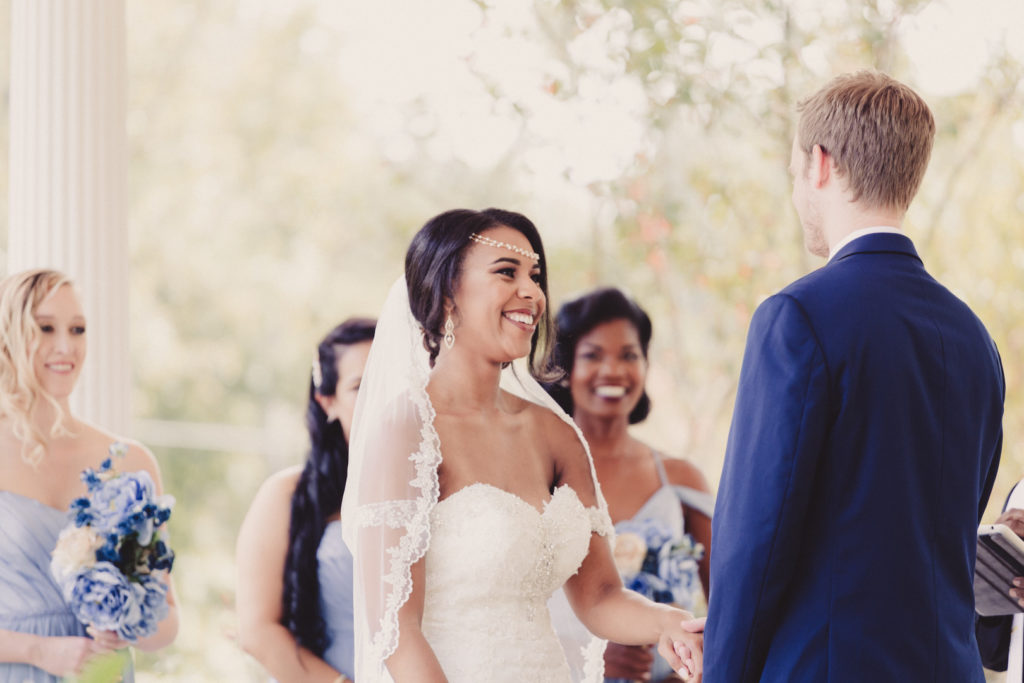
319,490
433,264
576,318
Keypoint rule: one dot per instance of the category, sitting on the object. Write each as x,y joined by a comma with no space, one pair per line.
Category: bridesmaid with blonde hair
44,448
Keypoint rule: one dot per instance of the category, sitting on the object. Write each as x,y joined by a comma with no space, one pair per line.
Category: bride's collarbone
493,450
505,453
521,471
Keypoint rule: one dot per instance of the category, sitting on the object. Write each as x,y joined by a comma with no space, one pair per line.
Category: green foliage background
267,203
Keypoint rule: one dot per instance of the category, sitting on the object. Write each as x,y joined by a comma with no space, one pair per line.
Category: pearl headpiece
487,241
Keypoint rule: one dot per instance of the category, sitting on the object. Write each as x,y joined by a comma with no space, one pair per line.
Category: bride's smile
498,299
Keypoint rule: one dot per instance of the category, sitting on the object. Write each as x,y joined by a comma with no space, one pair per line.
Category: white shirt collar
860,233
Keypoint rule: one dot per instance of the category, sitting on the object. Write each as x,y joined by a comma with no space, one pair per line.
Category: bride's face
498,301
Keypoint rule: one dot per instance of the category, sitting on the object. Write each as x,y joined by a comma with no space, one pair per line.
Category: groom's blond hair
878,132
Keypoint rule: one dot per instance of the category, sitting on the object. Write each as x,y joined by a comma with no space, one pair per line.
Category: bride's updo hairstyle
433,265
20,390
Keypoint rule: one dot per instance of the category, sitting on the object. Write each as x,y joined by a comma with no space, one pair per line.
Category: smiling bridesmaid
602,342
43,450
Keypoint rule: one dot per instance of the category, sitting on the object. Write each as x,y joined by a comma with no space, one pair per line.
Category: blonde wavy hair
20,390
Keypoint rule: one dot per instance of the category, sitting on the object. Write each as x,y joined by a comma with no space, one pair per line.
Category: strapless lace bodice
493,562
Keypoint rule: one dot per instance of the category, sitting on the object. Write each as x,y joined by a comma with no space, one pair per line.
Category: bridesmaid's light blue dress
664,506
334,566
30,600
334,571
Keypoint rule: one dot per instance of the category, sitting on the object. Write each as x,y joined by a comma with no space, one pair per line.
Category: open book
1000,559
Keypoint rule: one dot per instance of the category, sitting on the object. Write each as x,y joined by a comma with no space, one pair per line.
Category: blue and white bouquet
105,560
656,565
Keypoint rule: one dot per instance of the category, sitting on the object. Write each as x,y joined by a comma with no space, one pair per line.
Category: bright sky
951,41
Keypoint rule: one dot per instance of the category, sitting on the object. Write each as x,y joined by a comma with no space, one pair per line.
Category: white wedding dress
491,559
493,562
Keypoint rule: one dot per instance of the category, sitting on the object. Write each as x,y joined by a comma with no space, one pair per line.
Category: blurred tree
699,225
282,155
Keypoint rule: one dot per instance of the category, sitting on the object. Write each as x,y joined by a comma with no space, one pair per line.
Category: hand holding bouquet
105,559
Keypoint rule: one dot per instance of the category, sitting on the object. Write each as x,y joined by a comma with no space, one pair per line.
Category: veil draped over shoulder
392,488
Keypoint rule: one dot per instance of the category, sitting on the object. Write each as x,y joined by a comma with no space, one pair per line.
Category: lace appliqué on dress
593,660
601,522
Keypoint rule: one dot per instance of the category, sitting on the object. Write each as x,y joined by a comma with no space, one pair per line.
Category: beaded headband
487,241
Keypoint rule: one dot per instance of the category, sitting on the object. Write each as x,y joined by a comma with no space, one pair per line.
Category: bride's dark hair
318,492
433,264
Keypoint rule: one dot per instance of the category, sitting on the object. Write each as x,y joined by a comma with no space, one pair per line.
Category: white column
67,177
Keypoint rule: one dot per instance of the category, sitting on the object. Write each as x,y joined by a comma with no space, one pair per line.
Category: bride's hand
682,646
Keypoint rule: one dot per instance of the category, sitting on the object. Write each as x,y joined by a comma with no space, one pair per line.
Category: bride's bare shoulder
558,433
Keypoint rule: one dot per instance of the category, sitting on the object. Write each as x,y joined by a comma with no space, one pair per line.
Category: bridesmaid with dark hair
294,596
602,342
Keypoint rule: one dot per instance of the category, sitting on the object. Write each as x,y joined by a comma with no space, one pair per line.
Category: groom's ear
822,167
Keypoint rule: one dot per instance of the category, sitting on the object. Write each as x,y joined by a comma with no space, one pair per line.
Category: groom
866,432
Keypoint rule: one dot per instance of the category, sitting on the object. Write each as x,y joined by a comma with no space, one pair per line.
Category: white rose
629,553
76,549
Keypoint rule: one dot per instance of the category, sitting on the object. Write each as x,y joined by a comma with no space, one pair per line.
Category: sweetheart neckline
513,496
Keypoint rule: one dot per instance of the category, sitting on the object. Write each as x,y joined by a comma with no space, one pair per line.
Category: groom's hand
685,651
694,625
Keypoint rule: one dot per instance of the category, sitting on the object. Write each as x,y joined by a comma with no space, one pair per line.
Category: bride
473,496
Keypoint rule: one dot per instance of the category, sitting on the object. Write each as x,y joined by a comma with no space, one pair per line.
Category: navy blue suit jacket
863,447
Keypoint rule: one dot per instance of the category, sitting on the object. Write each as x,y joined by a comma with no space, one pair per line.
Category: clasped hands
683,649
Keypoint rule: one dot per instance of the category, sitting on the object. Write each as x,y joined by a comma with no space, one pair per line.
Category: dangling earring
449,332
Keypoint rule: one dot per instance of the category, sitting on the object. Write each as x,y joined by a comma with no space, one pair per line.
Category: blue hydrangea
669,572
103,597
155,597
148,607
680,571
118,592
119,505
655,533
100,596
